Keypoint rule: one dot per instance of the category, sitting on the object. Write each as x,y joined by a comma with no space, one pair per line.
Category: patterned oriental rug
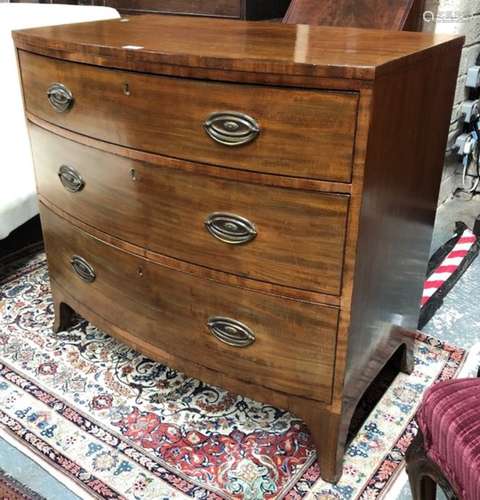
113,424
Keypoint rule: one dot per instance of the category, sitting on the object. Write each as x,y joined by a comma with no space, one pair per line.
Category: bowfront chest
250,203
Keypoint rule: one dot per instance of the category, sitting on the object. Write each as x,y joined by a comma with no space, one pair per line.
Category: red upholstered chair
446,450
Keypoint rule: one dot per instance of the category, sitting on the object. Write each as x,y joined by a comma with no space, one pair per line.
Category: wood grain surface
196,167
175,43
373,14
235,9
196,270
295,341
166,116
311,357
401,198
300,234
216,8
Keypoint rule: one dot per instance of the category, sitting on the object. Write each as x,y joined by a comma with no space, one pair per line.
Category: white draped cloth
18,201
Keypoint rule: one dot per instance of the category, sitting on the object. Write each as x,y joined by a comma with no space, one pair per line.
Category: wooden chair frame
394,15
424,474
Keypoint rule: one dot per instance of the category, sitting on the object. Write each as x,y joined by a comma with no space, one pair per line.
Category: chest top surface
233,45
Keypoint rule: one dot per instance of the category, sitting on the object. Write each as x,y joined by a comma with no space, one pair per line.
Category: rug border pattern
85,424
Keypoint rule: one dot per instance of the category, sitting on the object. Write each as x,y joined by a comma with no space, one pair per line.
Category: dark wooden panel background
381,14
236,9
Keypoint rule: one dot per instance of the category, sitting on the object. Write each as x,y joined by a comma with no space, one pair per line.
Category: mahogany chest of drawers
249,203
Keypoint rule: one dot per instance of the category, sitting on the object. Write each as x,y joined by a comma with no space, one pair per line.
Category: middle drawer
285,236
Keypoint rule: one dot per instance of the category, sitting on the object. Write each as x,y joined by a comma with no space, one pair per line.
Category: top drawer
290,132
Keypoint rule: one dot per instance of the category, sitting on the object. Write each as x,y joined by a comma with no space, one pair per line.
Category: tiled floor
458,322
29,473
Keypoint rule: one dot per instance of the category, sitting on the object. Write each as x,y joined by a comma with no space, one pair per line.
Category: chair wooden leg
424,475
423,488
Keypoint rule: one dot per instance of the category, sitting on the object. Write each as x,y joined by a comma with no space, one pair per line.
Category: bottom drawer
275,342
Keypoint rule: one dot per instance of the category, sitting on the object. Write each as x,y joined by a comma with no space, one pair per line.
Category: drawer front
272,130
278,343
220,8
284,236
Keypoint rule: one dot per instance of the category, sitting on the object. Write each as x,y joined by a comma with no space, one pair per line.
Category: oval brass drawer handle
83,269
71,180
231,128
230,228
230,331
60,97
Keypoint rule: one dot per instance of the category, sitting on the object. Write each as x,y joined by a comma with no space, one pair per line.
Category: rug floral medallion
123,426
